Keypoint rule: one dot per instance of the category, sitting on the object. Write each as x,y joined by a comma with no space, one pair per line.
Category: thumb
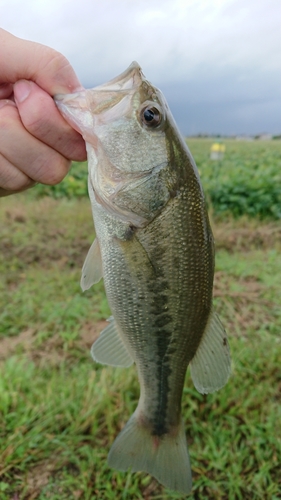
22,59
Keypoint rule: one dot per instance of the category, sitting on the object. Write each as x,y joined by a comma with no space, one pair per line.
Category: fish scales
155,251
158,307
153,304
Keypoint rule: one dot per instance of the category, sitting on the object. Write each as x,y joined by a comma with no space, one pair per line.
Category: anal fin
109,348
92,267
211,365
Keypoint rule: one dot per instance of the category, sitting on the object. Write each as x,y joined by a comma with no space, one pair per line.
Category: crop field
246,182
60,412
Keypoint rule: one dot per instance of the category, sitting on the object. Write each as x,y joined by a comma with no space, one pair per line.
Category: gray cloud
217,61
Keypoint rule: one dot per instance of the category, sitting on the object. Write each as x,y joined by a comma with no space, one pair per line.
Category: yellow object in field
217,151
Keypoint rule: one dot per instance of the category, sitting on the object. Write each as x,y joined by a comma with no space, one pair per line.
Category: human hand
36,143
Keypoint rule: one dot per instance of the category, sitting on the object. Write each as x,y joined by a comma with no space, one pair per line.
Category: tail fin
165,458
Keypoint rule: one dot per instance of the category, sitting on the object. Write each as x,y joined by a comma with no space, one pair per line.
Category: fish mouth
74,108
85,109
130,79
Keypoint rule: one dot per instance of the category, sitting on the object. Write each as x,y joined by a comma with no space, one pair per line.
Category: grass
60,412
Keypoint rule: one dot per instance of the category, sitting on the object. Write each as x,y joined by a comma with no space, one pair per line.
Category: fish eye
151,116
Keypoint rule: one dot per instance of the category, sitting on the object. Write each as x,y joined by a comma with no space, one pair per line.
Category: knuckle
14,180
54,62
55,173
19,184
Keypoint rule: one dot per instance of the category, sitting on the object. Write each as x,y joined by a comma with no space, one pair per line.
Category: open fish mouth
110,100
130,79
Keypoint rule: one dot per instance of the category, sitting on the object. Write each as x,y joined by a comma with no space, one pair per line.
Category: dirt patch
46,230
232,236
9,345
245,309
52,351
251,289
54,246
91,331
37,478
45,253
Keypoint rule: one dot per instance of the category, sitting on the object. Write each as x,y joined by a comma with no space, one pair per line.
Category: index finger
23,59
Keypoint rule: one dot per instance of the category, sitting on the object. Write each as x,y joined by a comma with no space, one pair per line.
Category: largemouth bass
154,248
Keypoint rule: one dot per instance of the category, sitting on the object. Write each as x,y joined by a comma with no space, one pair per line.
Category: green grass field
60,412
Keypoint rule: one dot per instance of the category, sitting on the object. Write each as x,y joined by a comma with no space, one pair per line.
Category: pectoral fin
210,367
92,267
109,348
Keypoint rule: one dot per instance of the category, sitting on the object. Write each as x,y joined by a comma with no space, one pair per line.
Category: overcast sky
218,62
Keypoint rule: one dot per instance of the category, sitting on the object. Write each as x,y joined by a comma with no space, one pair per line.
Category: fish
154,248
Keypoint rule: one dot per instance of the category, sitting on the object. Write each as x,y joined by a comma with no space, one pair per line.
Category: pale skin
36,143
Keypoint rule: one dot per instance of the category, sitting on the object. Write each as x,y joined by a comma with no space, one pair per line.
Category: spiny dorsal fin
92,267
109,348
210,367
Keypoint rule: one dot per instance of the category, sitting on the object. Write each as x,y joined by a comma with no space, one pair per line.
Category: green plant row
247,181
245,188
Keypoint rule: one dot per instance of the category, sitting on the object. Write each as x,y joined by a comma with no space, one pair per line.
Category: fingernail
22,90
